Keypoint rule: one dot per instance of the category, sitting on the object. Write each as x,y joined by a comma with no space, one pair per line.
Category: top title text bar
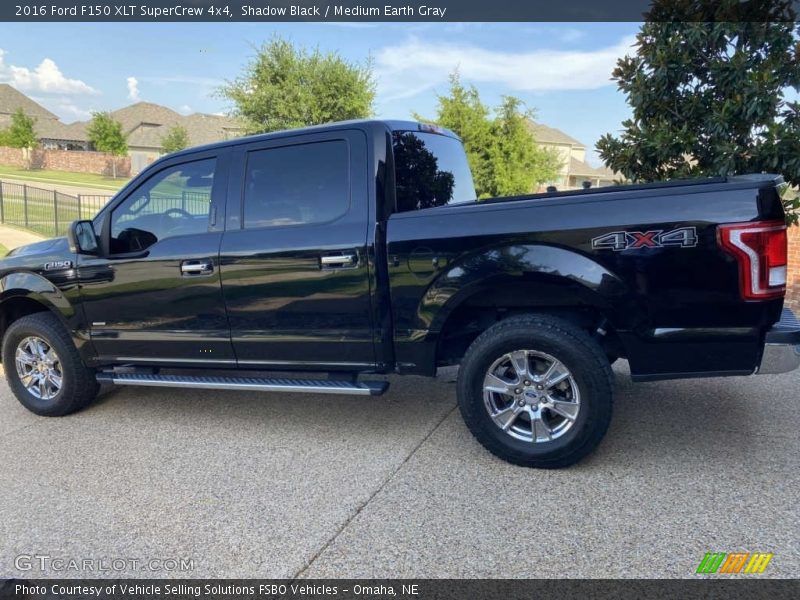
388,11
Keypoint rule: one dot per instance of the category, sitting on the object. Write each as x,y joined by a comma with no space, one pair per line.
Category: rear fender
525,276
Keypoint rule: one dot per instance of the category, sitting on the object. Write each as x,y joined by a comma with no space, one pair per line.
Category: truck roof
388,124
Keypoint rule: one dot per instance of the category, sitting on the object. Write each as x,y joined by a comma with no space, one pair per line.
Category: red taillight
760,250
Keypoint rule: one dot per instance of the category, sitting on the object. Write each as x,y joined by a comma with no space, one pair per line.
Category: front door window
173,202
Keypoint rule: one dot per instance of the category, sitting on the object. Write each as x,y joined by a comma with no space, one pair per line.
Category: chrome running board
253,384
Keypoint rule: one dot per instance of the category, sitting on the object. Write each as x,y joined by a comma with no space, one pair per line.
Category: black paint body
424,283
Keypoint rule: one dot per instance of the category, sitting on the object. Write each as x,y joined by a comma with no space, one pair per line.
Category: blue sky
561,70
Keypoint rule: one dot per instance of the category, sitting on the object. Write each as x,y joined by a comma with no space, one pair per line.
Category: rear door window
297,185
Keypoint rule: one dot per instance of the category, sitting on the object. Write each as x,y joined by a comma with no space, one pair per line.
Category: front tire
43,367
536,391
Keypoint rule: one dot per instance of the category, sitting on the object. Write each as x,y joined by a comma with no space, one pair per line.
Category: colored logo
683,237
734,562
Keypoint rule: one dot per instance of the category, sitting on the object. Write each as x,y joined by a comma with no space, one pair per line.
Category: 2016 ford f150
358,248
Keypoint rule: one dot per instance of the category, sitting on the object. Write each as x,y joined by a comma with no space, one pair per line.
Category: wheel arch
25,293
487,287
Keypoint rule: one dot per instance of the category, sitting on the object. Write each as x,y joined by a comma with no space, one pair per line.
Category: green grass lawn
3,250
39,213
101,182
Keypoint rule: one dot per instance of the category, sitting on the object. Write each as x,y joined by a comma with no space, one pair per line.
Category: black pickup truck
328,253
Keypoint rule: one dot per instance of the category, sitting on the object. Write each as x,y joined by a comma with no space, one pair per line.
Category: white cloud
45,78
133,89
185,109
415,66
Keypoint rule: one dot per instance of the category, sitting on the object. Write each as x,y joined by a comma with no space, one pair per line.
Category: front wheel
43,367
536,391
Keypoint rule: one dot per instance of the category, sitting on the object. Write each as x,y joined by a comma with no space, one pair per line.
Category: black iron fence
194,203
45,211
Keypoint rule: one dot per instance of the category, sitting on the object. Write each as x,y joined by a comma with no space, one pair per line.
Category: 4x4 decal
683,237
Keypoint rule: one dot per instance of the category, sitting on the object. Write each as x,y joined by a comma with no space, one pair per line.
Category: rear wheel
536,391
43,367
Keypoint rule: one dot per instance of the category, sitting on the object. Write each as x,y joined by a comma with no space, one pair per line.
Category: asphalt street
285,485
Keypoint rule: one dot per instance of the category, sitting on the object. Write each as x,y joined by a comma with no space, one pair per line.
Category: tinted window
294,185
175,201
430,170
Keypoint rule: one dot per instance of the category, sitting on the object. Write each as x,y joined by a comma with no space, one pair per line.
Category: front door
294,256
155,295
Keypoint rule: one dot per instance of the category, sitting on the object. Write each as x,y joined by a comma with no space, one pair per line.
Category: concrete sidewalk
11,237
64,188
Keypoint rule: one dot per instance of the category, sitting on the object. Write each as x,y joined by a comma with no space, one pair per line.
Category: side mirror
81,237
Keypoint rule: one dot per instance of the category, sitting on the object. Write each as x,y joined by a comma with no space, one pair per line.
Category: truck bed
544,250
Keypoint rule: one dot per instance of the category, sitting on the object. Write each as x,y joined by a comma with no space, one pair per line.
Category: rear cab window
431,169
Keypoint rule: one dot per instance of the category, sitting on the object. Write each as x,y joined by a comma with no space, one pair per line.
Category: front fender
527,275
61,301
34,286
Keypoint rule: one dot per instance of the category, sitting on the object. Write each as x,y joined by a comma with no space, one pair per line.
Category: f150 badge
683,237
57,264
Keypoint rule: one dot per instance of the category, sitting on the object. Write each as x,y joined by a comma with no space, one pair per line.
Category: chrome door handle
339,261
196,267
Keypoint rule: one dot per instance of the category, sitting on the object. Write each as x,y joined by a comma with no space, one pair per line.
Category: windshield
430,170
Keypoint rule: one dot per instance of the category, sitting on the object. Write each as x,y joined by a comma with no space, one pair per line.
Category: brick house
144,123
574,168
52,133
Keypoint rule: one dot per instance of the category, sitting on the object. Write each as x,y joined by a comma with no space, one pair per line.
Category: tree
502,154
106,135
462,112
285,87
518,162
176,138
708,98
21,133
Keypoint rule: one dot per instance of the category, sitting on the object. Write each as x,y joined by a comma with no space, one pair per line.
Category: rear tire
43,367
536,391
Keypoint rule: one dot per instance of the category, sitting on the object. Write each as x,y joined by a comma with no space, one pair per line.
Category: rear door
294,255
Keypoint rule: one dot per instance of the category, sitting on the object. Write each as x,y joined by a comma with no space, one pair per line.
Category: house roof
144,113
550,135
205,129
580,168
146,124
11,99
46,124
142,123
56,130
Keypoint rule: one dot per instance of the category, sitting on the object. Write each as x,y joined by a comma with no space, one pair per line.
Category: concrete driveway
268,485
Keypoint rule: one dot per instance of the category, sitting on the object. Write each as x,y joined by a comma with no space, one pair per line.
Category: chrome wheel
38,367
531,396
